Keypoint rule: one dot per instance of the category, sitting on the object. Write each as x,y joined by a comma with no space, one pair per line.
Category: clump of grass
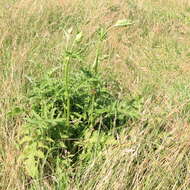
148,159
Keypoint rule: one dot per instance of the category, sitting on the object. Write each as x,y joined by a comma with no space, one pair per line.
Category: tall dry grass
150,58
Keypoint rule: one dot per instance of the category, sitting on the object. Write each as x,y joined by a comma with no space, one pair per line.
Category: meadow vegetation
95,95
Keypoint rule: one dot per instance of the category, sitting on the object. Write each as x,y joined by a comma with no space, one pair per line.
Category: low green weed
72,116
95,114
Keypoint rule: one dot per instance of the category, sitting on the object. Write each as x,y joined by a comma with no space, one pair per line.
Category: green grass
86,104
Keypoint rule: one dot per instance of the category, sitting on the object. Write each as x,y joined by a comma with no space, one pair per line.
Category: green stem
67,92
96,61
95,69
92,111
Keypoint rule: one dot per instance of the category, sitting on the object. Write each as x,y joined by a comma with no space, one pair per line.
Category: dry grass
150,58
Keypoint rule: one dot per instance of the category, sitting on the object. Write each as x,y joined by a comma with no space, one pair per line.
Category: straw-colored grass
148,59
